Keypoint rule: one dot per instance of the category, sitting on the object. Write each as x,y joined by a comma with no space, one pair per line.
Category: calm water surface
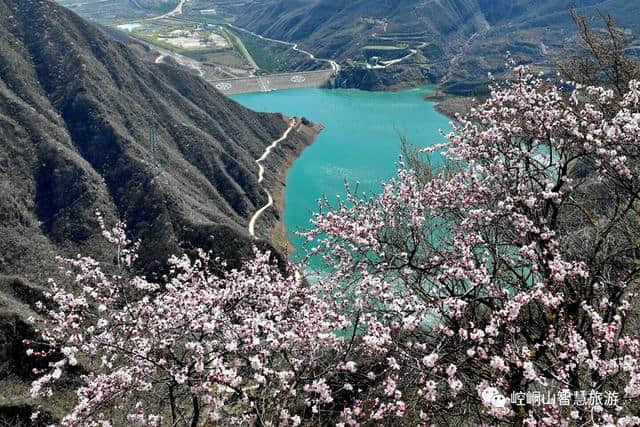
360,143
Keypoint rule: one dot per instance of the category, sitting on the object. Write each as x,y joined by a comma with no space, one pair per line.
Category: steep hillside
339,28
76,110
76,113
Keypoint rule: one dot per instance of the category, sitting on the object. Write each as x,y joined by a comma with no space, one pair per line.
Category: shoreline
303,135
274,145
277,234
450,105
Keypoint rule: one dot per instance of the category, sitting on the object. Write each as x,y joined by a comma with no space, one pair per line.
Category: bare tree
601,59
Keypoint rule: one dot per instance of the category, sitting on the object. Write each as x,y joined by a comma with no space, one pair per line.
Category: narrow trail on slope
267,151
334,65
180,59
386,64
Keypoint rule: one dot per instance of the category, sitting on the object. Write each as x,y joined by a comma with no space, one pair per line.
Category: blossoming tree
205,345
514,276
444,299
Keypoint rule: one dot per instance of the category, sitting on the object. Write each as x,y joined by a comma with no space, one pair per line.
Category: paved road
175,12
258,83
273,82
252,222
385,64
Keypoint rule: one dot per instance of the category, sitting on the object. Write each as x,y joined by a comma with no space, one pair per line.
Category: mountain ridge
83,105
457,42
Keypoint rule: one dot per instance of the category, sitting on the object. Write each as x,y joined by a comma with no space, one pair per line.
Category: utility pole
153,140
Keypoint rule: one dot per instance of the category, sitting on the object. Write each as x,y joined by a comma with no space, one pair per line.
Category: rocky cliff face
77,111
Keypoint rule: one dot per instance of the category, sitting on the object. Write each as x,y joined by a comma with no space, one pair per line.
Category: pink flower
430,360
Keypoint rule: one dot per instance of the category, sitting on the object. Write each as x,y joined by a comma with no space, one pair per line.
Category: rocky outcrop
391,78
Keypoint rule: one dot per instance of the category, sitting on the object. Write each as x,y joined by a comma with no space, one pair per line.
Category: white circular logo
492,396
298,79
223,86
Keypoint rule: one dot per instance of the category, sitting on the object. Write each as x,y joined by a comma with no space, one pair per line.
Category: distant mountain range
457,41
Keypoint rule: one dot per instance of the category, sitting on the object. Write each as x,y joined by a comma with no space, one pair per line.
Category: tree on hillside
602,58
207,345
514,276
498,290
501,290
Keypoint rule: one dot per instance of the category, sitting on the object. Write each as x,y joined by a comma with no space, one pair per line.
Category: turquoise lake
360,143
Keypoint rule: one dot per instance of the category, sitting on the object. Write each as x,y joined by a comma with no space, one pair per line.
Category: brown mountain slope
75,115
76,112
110,10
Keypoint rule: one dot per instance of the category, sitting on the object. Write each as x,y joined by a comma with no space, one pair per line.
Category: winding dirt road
267,151
334,65
180,59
